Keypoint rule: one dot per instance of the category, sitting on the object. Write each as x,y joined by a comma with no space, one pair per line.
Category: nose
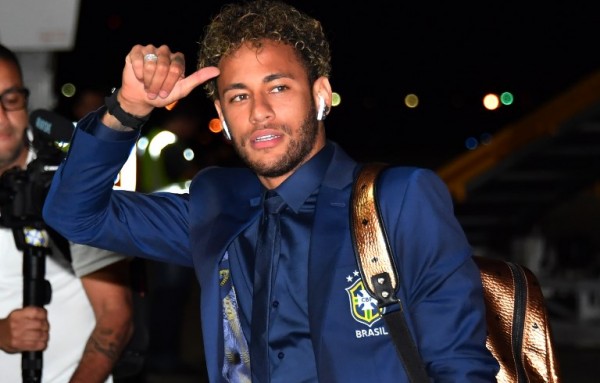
262,110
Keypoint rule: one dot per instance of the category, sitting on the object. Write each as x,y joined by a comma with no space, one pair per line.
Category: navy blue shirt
290,348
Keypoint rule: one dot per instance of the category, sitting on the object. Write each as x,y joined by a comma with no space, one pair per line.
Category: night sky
450,54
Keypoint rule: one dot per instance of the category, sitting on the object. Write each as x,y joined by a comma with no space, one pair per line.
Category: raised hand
155,77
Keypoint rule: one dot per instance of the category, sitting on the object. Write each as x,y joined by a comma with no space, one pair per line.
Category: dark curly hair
253,21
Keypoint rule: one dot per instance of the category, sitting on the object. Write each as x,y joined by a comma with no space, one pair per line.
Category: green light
507,98
68,89
336,99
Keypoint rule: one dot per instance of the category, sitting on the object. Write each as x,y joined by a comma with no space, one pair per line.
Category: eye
279,89
238,98
13,99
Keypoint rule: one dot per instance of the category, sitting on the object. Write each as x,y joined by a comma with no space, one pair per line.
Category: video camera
23,191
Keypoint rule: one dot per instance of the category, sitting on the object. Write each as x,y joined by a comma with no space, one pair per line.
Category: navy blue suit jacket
440,284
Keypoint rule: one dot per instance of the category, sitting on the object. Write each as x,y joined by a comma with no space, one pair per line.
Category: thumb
200,76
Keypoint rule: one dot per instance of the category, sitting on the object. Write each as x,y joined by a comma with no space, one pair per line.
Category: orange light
171,105
214,125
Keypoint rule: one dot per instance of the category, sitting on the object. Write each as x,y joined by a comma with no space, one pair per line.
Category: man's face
267,101
13,124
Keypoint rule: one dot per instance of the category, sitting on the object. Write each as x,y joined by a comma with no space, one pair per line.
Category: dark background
449,53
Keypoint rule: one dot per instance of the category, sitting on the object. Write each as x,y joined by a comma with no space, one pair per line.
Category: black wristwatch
124,118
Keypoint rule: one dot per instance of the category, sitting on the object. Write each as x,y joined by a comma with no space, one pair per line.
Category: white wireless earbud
321,112
225,130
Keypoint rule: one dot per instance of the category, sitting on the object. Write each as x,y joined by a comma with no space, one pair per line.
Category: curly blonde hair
253,21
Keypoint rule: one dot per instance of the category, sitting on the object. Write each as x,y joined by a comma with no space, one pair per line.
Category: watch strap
122,116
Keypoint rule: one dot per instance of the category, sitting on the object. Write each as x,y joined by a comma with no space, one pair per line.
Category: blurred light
411,100
471,143
126,179
178,187
214,125
159,141
188,154
490,101
62,145
142,145
336,99
485,139
68,89
507,98
171,105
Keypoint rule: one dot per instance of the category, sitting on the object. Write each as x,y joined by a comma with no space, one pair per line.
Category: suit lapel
329,234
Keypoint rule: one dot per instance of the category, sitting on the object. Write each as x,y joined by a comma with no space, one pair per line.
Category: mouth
267,137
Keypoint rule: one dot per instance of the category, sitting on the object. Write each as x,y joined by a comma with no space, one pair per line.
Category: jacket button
281,355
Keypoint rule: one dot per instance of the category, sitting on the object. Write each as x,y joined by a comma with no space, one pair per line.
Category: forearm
102,350
111,299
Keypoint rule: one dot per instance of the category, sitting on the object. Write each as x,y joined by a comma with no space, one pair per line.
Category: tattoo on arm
104,341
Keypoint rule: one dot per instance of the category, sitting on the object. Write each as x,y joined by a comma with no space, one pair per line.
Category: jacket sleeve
83,206
441,286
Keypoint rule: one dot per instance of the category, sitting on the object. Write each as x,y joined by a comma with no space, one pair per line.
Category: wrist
123,116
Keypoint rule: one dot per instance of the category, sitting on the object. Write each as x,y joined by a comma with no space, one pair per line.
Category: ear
322,97
217,104
224,127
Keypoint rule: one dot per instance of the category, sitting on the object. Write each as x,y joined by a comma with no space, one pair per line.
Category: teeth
266,138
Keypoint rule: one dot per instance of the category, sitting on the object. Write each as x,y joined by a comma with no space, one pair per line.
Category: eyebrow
14,88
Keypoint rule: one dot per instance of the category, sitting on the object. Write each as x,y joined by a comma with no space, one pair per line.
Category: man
88,320
266,66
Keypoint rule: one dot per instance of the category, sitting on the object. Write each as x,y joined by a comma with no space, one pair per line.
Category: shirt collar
305,180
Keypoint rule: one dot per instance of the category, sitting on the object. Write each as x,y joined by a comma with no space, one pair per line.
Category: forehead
250,63
9,75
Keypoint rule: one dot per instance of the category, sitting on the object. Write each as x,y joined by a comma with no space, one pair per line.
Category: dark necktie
267,247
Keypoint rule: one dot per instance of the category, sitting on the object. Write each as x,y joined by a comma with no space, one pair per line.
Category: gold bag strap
369,234
377,270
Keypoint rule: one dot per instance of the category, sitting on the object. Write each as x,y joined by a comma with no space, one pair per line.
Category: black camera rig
22,196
